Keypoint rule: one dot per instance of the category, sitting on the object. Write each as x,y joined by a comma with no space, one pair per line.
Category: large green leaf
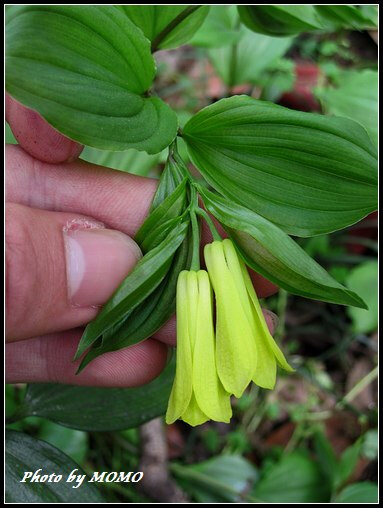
137,286
99,409
364,280
225,478
167,26
72,442
346,16
294,479
272,253
307,173
361,493
355,97
280,20
87,70
221,19
131,161
347,463
248,58
24,453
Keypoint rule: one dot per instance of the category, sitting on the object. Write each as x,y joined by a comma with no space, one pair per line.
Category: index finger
36,136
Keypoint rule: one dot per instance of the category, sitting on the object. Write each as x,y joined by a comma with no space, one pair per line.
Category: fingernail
97,262
271,319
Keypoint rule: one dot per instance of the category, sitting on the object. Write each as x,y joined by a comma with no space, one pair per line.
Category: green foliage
167,26
87,71
147,275
73,443
98,409
288,166
146,299
364,280
24,453
221,19
131,161
221,479
269,251
296,478
279,20
355,97
361,492
248,58
347,16
284,20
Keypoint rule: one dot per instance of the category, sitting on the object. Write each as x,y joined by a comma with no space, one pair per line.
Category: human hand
69,229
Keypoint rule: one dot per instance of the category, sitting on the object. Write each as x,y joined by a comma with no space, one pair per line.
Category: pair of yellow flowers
213,365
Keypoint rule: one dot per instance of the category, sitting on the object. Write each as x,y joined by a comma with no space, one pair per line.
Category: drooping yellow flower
197,394
245,348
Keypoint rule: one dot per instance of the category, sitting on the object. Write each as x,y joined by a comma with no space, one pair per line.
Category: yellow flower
197,394
245,348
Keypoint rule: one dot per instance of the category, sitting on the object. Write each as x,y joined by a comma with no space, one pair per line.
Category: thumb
60,268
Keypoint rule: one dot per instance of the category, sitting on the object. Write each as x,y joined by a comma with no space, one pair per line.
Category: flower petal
192,305
182,386
235,345
266,368
193,414
265,335
210,395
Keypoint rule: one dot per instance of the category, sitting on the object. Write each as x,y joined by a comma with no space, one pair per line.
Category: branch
157,482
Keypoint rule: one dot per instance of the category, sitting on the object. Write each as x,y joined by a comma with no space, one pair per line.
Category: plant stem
210,223
360,385
195,262
176,21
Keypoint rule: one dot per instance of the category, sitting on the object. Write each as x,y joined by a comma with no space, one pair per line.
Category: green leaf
173,174
326,456
221,19
151,314
347,463
362,492
273,254
73,443
9,136
247,61
345,16
100,409
24,453
279,77
294,479
370,444
167,26
225,478
279,20
171,208
307,173
137,286
130,161
87,70
363,279
355,97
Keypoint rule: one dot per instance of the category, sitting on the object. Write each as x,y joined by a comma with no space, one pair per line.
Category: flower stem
210,223
195,262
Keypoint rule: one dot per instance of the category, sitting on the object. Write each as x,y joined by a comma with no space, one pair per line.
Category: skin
47,188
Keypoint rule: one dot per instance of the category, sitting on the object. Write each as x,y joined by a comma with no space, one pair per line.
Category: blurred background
314,438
